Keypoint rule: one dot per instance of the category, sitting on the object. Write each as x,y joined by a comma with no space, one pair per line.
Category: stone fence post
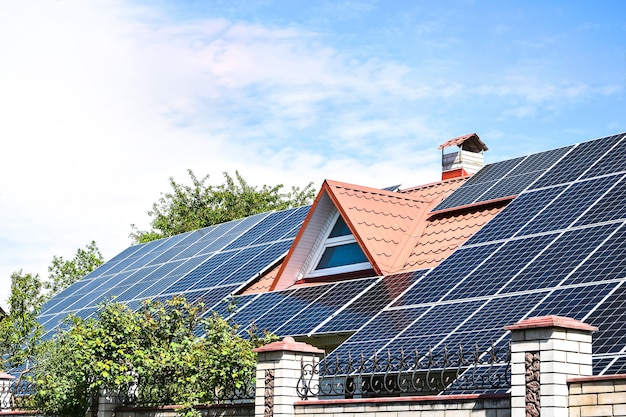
277,374
545,351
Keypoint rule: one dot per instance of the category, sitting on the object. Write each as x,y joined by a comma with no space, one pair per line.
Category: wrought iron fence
434,372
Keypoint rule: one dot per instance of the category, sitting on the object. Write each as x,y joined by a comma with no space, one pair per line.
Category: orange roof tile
443,234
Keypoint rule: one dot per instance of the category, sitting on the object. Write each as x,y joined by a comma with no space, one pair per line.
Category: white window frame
329,242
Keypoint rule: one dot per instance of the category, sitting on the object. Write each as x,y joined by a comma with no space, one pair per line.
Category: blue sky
102,101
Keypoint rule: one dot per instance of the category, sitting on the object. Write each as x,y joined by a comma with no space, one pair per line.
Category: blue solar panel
247,314
608,262
610,318
363,308
568,206
610,207
446,275
500,267
523,209
577,161
573,302
612,161
303,322
560,258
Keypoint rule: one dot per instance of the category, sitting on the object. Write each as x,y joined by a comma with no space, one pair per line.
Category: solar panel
577,161
503,264
355,314
560,258
304,321
516,215
568,206
206,264
445,276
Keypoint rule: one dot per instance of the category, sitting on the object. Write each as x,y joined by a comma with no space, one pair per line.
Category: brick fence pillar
545,351
277,374
5,391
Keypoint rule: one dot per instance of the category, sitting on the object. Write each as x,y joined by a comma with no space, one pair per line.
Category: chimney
467,160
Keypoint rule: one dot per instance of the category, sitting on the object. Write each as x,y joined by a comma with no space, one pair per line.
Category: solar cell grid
291,307
510,186
599,364
607,263
465,194
201,272
443,278
609,207
576,162
387,324
501,311
539,162
610,318
554,264
613,161
322,308
573,302
568,206
616,366
288,228
259,263
500,267
228,272
375,299
519,212
263,304
441,319
259,230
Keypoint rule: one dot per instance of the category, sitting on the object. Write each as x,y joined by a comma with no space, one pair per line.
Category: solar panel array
341,307
207,264
559,248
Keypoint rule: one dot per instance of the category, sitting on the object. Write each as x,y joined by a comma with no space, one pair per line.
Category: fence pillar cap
4,375
551,321
288,344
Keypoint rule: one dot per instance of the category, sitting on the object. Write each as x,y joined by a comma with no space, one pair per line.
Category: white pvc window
340,252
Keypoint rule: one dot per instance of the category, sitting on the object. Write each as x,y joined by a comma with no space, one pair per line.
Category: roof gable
387,225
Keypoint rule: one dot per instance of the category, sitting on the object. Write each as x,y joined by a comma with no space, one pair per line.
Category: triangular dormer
352,231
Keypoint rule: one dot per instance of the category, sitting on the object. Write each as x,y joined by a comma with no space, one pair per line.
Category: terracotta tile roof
381,220
443,234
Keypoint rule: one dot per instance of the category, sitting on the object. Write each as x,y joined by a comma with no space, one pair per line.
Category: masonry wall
240,410
444,406
599,396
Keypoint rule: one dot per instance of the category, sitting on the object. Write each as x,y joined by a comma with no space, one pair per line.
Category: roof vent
468,160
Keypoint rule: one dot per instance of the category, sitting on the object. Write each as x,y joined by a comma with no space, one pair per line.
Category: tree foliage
154,353
63,273
191,207
20,332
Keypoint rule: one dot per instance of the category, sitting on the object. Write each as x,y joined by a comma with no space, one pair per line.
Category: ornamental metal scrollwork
414,373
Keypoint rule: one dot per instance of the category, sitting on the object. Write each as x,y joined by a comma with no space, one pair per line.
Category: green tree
63,273
20,332
154,354
191,207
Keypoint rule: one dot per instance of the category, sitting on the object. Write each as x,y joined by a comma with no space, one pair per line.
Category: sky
101,102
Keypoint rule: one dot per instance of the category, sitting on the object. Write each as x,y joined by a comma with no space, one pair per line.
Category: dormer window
339,253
